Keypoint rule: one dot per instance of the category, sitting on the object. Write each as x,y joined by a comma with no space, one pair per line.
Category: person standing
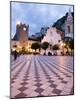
15,55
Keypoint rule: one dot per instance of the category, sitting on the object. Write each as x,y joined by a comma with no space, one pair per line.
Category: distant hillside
60,23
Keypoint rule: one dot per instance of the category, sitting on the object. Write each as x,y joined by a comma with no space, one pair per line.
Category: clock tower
22,33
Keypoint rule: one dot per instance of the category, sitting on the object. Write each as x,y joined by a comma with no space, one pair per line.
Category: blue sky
36,15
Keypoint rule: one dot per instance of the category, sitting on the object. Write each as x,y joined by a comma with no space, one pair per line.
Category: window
68,29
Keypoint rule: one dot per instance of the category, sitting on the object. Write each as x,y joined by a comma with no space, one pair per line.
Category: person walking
15,55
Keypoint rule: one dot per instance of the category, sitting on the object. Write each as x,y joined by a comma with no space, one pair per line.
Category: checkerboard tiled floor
35,75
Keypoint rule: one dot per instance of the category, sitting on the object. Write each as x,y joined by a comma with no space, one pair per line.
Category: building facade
52,36
69,31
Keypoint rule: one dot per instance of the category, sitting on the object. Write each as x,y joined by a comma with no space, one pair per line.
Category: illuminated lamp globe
24,29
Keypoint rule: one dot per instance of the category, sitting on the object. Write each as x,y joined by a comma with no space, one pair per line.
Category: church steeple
69,17
69,13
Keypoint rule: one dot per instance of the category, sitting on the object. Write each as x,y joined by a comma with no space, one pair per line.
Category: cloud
36,15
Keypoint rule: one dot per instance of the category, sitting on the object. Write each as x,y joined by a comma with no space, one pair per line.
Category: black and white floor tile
36,75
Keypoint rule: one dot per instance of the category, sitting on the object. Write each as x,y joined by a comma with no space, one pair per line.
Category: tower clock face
24,29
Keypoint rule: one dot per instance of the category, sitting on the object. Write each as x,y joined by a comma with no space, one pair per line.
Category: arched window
68,29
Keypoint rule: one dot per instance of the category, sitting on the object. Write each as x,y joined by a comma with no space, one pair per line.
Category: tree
23,50
35,46
67,40
45,45
55,47
71,44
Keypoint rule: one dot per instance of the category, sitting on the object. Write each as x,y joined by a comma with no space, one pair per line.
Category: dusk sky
36,15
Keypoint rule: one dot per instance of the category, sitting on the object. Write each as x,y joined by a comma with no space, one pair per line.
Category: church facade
69,31
53,36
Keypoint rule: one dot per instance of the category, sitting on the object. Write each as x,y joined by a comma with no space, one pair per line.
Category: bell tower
22,32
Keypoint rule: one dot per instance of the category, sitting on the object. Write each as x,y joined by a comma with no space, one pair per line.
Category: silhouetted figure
67,53
62,53
15,55
49,53
44,53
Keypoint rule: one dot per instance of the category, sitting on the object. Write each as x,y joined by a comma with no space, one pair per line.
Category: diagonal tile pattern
37,75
